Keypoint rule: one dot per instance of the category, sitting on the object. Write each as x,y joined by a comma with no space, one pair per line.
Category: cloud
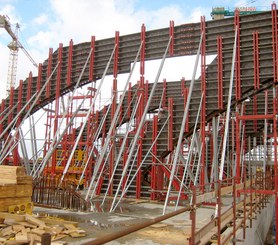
41,19
79,20
9,11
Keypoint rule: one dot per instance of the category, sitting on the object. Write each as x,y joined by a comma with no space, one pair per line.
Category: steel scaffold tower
164,141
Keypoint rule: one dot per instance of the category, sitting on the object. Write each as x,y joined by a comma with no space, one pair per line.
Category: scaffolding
179,143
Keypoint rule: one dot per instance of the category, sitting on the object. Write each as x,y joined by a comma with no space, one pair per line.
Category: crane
14,46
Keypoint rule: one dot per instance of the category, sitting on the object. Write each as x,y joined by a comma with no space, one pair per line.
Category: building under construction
187,143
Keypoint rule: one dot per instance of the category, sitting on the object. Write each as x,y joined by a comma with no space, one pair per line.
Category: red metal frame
203,109
274,42
237,67
92,59
171,34
170,124
1,115
49,70
140,110
10,118
30,79
57,104
164,94
256,74
185,95
69,63
154,160
238,153
220,72
39,80
129,96
113,110
275,78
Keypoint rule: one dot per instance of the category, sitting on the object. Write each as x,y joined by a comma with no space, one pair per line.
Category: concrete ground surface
173,231
100,222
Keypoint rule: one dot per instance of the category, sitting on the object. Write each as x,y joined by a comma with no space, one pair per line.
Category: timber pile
15,190
28,229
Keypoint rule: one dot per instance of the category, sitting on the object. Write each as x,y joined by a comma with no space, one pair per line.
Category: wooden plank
22,237
33,220
3,239
26,224
13,190
70,226
38,231
24,180
15,217
50,221
7,231
77,234
18,228
9,171
10,201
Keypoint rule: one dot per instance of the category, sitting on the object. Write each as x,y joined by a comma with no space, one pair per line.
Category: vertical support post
171,34
163,104
237,70
92,59
170,124
10,118
141,109
219,206
192,216
129,96
244,203
185,95
104,110
274,42
49,70
146,91
234,211
275,80
69,63
30,78
238,155
47,134
57,104
39,80
220,72
251,191
19,106
125,156
256,74
113,110
1,115
275,135
154,160
203,109
11,100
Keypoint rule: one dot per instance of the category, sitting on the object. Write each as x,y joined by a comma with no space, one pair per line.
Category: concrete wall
260,226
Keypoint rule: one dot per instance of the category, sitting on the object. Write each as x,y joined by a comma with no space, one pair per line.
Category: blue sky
46,23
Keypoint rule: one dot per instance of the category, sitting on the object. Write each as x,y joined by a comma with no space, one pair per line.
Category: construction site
192,161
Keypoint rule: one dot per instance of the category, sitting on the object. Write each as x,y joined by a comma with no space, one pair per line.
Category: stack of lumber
21,229
15,189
